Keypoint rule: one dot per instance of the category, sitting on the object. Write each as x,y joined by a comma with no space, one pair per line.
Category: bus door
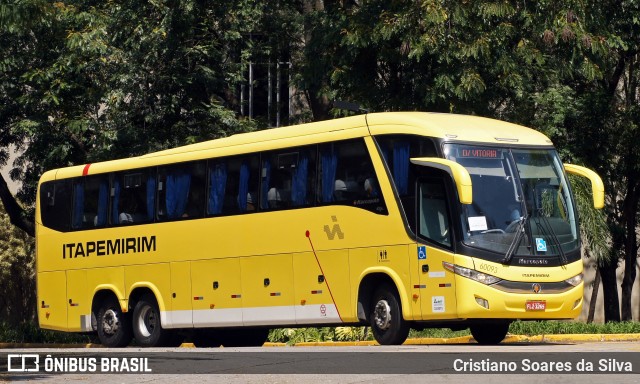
435,245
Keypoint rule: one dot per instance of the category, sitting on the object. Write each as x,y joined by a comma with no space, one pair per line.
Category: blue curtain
78,205
243,188
178,184
218,184
151,196
401,166
103,203
300,175
266,167
115,214
329,161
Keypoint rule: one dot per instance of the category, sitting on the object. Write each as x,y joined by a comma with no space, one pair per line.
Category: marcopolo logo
23,363
332,232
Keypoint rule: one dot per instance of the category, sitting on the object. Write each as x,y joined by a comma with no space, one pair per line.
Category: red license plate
536,305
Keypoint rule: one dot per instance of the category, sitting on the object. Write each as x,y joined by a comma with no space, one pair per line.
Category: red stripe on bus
85,171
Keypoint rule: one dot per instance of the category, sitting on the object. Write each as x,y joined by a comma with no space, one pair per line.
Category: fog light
577,303
482,302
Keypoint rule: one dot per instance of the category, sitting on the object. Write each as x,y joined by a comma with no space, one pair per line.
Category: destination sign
479,153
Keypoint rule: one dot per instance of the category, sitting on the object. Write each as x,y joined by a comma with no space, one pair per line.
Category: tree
84,82
17,274
558,66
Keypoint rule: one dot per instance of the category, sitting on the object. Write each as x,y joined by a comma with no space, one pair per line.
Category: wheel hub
382,314
110,322
147,321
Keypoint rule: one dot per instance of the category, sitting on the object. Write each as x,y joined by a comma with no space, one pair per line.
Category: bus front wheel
489,334
147,329
114,326
385,316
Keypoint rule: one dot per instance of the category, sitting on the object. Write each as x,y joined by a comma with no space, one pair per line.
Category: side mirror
597,187
459,174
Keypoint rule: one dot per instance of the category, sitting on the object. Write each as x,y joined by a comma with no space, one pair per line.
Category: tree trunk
630,253
17,214
610,290
594,296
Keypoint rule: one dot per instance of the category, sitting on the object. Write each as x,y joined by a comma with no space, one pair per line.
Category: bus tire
385,315
489,334
147,329
114,326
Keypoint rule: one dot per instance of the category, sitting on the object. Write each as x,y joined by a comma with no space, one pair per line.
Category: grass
31,333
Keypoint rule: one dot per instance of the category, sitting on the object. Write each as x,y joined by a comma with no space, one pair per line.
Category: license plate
536,305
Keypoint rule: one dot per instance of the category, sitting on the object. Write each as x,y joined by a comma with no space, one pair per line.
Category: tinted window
288,178
181,191
90,202
133,197
55,204
233,185
433,212
347,176
397,150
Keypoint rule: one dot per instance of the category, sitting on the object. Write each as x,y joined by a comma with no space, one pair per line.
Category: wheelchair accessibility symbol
541,245
422,252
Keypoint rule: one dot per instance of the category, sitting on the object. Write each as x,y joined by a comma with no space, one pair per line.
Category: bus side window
133,197
90,202
288,178
347,176
433,212
233,185
181,191
55,205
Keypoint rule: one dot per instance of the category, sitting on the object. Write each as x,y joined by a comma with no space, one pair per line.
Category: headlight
471,274
575,280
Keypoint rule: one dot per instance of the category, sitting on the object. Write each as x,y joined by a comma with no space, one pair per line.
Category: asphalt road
584,363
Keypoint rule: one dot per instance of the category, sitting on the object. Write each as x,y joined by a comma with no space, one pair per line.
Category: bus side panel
438,287
391,261
314,289
156,277
267,290
111,279
52,300
181,297
218,283
79,301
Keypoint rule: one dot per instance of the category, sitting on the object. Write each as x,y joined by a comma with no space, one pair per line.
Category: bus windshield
521,201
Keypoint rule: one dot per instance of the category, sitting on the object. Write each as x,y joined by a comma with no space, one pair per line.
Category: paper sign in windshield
478,223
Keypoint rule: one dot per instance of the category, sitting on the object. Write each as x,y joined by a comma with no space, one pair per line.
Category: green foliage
17,274
28,332
593,222
531,328
293,336
300,335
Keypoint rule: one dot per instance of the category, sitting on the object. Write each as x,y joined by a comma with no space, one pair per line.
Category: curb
510,339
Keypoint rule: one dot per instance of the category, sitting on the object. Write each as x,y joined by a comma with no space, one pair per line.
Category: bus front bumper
478,301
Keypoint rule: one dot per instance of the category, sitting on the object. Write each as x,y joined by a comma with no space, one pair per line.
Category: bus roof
450,127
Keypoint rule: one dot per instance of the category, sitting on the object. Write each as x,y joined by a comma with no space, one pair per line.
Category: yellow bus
392,220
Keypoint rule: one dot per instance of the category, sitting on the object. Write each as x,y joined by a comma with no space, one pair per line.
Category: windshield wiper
515,243
552,234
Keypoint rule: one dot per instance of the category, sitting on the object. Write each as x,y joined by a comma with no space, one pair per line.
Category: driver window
433,212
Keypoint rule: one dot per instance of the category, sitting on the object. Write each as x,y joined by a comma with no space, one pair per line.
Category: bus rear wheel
147,328
489,334
114,326
385,316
